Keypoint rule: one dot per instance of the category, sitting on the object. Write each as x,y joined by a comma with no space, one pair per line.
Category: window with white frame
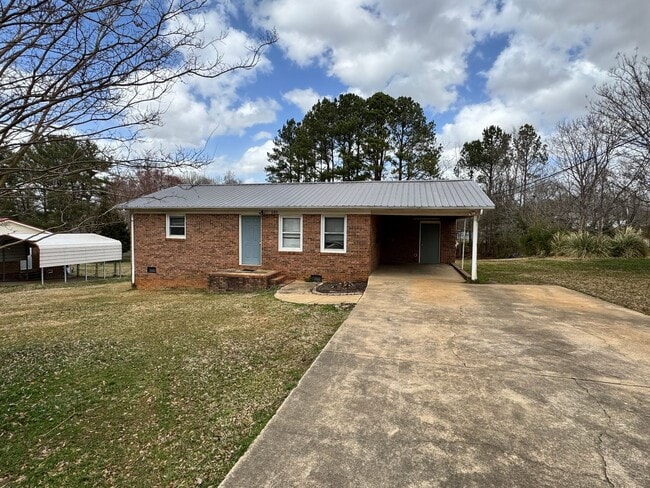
176,226
290,233
333,233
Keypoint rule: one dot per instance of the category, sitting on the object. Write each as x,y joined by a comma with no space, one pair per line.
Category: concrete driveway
433,382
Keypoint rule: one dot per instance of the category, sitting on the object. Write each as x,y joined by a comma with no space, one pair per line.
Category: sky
469,63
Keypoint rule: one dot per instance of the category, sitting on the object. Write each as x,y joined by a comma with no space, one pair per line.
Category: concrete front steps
246,280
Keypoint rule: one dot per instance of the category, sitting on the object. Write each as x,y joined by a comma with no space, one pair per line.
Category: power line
568,168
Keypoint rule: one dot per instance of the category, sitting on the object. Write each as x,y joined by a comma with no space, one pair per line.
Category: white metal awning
65,249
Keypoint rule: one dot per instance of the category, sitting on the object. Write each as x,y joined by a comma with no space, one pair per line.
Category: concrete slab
302,292
434,382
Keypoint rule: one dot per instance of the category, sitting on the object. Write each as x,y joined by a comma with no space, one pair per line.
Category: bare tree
626,99
625,102
585,150
529,157
95,69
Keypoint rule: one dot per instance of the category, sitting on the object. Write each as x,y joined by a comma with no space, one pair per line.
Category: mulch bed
342,287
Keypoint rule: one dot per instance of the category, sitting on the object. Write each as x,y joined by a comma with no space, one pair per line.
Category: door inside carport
405,239
429,242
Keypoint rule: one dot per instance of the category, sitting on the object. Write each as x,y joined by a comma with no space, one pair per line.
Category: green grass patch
106,386
621,281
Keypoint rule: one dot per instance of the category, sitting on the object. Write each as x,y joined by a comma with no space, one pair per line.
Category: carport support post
65,273
474,246
86,270
42,277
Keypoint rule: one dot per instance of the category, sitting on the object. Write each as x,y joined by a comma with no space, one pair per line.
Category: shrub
537,241
558,244
628,243
580,245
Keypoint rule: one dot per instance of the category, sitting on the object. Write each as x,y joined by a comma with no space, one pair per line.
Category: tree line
69,184
80,78
591,175
351,138
89,75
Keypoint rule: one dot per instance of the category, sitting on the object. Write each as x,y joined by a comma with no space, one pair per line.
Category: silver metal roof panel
388,195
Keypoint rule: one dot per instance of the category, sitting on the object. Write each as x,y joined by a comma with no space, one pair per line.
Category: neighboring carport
61,250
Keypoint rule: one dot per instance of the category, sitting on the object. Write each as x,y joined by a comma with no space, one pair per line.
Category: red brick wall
447,240
375,244
400,239
353,265
212,243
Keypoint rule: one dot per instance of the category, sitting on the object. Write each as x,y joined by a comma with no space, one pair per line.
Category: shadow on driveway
434,382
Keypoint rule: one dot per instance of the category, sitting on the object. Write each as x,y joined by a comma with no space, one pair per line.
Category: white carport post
132,251
42,276
474,246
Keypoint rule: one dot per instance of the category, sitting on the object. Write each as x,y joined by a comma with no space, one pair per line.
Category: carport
43,251
425,237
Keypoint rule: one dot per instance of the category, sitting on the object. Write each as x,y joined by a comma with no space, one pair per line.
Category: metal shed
69,249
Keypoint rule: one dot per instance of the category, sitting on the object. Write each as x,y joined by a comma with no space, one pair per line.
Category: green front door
429,242
251,240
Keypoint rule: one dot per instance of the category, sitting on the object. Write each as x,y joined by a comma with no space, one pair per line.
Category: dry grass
621,281
106,386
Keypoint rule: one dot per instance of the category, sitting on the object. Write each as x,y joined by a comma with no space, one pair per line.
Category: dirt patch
342,287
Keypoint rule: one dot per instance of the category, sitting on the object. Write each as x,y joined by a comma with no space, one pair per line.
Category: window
176,226
290,234
333,234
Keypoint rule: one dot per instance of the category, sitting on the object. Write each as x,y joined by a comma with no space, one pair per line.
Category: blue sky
468,63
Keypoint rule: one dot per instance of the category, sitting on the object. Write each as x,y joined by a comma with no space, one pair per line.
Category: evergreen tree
413,139
350,138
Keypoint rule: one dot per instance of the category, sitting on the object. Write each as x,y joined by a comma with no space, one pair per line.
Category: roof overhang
442,212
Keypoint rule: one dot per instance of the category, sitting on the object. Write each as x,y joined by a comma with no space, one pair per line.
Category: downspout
132,251
475,246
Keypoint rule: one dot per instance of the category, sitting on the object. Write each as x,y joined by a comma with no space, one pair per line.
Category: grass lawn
624,282
101,385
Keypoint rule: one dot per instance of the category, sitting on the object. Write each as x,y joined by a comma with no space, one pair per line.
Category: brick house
186,235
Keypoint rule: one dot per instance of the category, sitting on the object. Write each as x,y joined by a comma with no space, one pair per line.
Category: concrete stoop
245,280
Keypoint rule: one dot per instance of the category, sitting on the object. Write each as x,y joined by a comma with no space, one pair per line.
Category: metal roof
8,226
64,249
369,195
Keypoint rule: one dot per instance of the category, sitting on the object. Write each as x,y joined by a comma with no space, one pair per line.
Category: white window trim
169,236
345,234
288,249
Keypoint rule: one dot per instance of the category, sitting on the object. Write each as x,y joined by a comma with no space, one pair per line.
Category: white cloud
199,108
249,167
303,98
253,160
191,117
262,135
472,119
382,46
556,53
